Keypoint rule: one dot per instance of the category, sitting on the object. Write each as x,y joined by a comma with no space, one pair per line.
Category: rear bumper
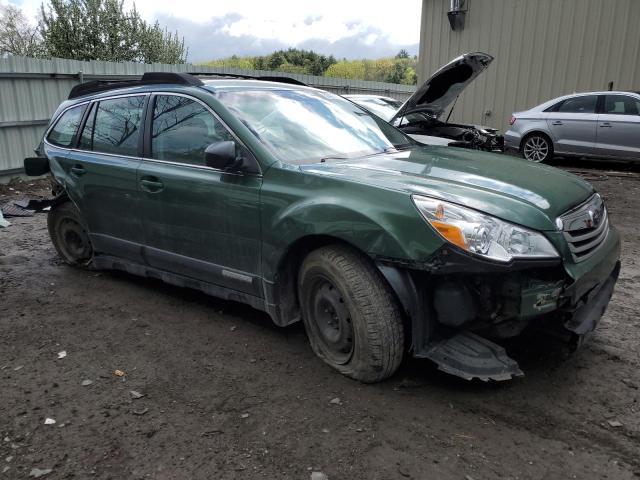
512,140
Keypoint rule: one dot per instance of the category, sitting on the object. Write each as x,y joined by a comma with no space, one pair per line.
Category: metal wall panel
542,49
31,89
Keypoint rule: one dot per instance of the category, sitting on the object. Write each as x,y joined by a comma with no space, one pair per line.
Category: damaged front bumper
460,305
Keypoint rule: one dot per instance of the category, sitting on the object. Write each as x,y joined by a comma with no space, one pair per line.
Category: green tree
17,35
291,60
103,30
346,69
397,73
398,69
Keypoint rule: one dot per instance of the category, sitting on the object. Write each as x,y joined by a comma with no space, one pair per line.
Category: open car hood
444,86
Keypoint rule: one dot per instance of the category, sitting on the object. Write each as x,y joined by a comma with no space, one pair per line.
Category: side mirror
221,155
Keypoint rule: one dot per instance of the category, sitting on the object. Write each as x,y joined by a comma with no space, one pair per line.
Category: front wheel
537,148
351,317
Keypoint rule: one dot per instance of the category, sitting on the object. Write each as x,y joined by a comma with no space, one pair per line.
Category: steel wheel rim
331,321
74,241
536,149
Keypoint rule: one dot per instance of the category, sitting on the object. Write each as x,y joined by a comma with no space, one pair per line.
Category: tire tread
376,306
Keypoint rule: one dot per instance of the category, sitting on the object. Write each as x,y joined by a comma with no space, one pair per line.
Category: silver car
593,124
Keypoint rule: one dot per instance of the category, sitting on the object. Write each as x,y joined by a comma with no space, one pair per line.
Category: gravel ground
225,394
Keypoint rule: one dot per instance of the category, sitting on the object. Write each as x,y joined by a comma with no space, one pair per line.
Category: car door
101,174
200,222
619,127
572,124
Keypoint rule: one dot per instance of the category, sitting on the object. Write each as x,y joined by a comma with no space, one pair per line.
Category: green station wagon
303,205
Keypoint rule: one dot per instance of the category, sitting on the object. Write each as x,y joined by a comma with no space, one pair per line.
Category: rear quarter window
64,131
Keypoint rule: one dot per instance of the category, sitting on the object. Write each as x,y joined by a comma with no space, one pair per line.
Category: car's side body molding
108,262
188,267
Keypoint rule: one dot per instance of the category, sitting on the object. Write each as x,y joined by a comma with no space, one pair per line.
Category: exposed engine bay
464,136
422,116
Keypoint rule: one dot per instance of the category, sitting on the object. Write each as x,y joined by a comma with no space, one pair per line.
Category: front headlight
482,234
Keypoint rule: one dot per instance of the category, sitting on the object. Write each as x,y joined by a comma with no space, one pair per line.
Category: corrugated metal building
31,89
542,49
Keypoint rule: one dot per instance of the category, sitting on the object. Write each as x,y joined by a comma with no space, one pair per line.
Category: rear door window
584,104
621,105
116,126
183,129
64,131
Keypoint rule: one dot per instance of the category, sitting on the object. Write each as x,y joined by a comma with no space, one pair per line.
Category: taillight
513,120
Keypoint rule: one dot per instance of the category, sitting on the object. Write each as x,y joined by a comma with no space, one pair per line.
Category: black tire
69,235
537,147
351,317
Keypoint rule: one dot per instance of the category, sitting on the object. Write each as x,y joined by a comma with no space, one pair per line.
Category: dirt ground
228,395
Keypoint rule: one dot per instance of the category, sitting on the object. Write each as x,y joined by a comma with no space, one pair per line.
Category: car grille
585,227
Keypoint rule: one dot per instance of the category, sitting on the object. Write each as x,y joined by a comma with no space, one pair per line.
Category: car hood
521,192
444,86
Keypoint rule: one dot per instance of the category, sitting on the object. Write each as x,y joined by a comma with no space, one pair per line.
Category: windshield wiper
406,146
399,148
391,149
324,159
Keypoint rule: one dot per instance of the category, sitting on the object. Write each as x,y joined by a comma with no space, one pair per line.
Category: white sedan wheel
537,149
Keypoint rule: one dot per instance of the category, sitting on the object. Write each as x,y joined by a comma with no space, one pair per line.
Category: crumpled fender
372,231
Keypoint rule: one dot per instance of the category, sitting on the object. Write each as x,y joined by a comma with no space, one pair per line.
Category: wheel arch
281,295
535,131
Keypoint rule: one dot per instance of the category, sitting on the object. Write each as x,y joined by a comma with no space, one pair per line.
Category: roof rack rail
176,78
289,80
149,78
265,78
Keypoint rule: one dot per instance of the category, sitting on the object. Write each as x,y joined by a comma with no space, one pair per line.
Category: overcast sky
344,28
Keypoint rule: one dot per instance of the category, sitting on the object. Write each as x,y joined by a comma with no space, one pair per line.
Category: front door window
183,129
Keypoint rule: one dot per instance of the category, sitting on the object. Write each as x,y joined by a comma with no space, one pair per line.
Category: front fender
380,223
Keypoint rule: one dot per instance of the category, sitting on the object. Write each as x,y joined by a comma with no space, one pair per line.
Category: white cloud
258,24
287,20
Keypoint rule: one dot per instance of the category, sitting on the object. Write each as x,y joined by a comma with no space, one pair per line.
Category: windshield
307,126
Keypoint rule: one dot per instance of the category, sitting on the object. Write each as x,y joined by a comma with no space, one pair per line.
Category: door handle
557,122
151,186
78,170
605,125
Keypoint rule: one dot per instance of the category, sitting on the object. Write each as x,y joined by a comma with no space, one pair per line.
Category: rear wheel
69,236
537,148
351,317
